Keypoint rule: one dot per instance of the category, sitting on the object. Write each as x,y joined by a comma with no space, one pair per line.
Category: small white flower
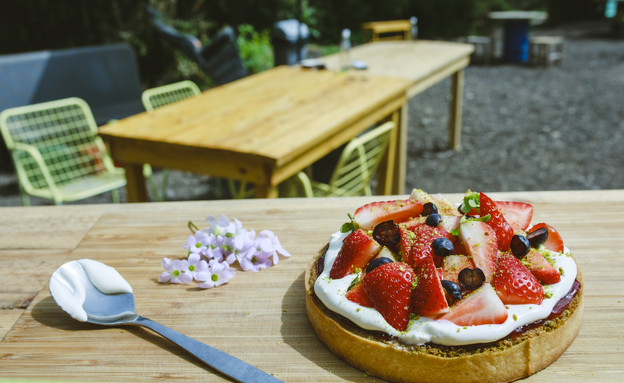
196,264
218,227
267,242
196,243
217,274
176,271
255,261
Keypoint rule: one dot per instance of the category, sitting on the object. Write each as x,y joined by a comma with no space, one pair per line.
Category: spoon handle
217,359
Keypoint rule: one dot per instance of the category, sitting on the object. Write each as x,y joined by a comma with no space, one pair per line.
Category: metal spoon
73,287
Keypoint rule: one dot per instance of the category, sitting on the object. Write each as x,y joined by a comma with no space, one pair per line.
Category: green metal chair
57,153
155,98
167,94
355,168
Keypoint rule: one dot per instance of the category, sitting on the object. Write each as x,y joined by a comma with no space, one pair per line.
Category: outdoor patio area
524,128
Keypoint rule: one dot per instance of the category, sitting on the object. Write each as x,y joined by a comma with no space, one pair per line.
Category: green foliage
29,25
255,48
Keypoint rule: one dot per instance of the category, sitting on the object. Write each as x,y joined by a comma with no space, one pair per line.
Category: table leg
135,183
266,191
455,112
385,172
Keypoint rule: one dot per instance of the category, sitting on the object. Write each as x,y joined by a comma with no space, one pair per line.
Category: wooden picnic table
258,317
424,63
387,30
261,129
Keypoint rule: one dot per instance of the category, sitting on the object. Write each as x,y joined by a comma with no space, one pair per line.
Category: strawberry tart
423,290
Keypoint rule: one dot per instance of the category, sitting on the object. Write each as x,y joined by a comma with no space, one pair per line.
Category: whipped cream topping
428,330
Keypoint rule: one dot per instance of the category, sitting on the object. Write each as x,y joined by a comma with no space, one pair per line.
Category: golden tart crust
377,354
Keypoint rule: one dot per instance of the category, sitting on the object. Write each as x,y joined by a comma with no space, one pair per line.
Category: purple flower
267,242
196,243
176,271
255,261
217,274
196,264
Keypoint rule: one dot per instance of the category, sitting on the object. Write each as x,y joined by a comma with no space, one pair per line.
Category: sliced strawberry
358,248
416,242
408,238
540,267
480,242
369,215
358,295
483,306
514,283
554,241
389,288
453,264
428,296
517,214
503,230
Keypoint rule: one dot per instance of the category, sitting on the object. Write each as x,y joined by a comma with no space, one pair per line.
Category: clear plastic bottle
414,28
345,48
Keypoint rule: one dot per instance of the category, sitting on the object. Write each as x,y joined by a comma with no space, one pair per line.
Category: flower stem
192,227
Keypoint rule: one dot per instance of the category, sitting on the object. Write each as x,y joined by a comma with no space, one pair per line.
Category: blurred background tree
29,25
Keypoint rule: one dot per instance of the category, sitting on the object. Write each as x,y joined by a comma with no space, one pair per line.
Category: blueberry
471,279
453,289
387,233
443,247
375,263
429,208
538,237
519,245
433,220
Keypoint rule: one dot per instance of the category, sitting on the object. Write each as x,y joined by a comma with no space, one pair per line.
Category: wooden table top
270,119
423,62
258,317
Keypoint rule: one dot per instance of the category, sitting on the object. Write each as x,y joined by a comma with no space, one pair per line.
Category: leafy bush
255,48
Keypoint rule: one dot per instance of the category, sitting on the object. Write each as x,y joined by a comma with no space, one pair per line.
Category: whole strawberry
389,288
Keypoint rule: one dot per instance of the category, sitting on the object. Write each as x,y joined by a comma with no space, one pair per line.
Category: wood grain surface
422,62
256,128
260,317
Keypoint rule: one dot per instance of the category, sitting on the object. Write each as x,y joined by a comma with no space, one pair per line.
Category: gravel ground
524,128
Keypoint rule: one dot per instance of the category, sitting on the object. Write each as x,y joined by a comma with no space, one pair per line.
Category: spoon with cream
93,292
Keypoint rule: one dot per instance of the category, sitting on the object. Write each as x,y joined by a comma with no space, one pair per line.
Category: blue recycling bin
516,41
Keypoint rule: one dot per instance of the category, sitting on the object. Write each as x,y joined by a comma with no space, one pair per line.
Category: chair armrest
38,158
306,184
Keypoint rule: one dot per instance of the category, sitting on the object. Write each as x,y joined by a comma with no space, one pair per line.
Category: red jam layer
556,311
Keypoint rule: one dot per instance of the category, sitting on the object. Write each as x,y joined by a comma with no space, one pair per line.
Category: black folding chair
220,59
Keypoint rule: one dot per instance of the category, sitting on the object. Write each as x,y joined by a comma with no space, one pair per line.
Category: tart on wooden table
423,290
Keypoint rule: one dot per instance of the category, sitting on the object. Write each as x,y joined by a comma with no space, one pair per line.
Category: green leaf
471,201
349,226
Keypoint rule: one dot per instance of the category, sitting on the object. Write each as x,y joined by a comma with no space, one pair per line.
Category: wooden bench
546,50
483,49
106,77
387,30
